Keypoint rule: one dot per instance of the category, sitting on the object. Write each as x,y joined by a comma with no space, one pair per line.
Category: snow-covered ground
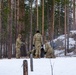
62,65
42,66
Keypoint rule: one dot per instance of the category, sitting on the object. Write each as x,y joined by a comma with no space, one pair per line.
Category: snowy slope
60,51
42,66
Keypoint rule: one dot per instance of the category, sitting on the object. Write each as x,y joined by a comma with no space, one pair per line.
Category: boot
37,56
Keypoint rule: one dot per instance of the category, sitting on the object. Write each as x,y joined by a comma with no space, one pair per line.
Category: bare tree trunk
68,27
17,7
53,24
21,16
0,28
59,29
0,16
75,14
53,20
15,18
48,21
51,27
10,16
15,28
30,47
37,13
65,27
43,19
74,25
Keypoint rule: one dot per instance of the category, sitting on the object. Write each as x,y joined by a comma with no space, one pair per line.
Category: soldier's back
37,37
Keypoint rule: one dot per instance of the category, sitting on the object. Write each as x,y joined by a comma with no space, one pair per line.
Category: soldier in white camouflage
37,42
18,46
49,50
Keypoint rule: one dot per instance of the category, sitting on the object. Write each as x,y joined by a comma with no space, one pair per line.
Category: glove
45,52
41,45
33,45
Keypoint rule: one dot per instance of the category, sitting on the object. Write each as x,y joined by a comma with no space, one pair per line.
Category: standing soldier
18,46
49,50
37,42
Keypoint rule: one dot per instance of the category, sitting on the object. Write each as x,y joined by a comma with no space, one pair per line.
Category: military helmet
37,31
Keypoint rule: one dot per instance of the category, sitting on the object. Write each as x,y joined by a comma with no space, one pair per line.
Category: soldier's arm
46,47
34,40
22,43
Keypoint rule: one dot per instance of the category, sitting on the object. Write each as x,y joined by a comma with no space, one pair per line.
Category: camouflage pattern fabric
37,41
18,46
49,51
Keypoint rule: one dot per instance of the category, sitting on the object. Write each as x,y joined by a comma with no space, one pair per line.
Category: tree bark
0,27
30,47
15,18
74,24
65,27
37,14
10,16
43,19
51,26
17,7
68,27
21,16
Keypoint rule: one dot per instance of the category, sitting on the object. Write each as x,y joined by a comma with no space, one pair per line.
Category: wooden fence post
25,67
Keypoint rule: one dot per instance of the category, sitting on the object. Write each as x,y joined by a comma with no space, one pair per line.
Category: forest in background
51,17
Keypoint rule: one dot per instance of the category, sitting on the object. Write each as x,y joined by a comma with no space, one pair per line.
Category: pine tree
74,27
0,28
43,19
65,27
9,29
